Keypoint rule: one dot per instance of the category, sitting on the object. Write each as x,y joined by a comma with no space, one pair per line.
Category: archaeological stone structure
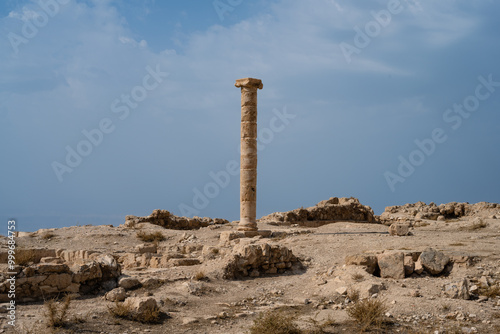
248,166
168,220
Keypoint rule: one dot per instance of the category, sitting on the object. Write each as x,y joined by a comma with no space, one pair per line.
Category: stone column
248,157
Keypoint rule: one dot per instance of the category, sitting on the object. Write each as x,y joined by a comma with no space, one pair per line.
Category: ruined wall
452,210
333,209
165,219
255,260
53,277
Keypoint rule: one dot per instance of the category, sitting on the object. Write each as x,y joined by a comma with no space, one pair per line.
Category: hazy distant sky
110,108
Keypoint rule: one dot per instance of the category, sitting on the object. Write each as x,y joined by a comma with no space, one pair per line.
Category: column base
231,235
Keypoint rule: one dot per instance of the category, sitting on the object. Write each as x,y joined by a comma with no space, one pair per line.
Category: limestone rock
168,220
51,259
184,262
418,268
140,305
87,271
128,282
369,261
399,229
391,265
368,289
60,281
189,320
326,211
109,266
146,248
44,268
256,259
116,295
433,261
409,265
457,290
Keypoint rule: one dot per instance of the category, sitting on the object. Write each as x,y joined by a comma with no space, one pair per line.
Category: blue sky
387,101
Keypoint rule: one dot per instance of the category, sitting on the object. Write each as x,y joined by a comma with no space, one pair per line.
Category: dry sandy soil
215,305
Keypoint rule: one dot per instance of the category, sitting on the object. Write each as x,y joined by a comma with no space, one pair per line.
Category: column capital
249,83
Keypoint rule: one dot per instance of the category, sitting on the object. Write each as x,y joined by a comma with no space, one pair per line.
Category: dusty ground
222,306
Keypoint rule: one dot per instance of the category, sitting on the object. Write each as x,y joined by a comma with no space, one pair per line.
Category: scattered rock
369,261
140,305
189,321
457,290
116,295
333,209
433,261
399,229
391,265
128,282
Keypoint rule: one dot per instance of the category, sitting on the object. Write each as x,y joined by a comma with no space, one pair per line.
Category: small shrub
25,256
368,313
353,295
358,277
445,307
56,312
150,237
319,327
274,322
120,310
214,251
124,310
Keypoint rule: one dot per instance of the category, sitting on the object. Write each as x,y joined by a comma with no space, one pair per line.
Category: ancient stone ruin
51,276
453,210
325,212
259,259
401,264
248,163
168,220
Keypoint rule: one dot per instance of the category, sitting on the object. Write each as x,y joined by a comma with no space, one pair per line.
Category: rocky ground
204,284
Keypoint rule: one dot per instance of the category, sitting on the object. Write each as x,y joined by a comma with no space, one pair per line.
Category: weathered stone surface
258,259
146,248
50,259
452,210
334,209
457,290
368,289
48,279
399,229
43,268
391,265
128,282
409,265
36,253
184,262
433,261
140,305
116,295
109,266
418,269
87,271
168,220
369,261
60,281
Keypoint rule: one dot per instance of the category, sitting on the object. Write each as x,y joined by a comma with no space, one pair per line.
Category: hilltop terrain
437,269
